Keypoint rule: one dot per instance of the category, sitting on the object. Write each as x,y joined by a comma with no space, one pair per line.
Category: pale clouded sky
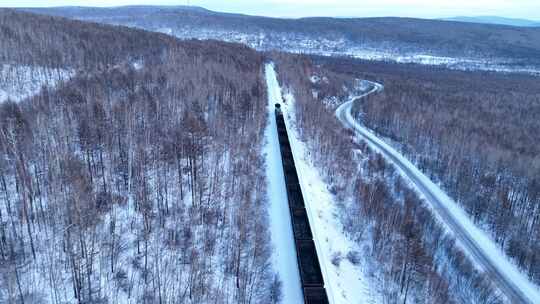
529,9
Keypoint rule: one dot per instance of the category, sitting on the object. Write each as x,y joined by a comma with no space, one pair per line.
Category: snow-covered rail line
284,256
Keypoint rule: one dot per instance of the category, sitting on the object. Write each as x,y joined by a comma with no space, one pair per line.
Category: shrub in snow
336,258
354,257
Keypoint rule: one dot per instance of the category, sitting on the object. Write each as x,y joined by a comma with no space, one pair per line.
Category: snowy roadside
345,282
284,258
474,241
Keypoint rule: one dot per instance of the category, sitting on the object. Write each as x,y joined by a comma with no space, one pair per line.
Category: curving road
513,284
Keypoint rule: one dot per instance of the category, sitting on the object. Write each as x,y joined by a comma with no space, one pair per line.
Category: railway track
306,252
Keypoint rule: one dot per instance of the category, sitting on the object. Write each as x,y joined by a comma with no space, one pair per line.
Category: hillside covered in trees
471,132
131,168
463,45
132,180
475,133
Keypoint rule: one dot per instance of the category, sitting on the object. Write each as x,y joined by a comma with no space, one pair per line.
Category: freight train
308,262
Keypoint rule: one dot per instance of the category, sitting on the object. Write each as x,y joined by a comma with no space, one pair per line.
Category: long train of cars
308,262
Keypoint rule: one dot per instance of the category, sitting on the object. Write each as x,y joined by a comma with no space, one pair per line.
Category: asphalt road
513,293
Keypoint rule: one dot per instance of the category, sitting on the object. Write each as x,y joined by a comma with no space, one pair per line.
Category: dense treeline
477,133
411,255
32,39
140,182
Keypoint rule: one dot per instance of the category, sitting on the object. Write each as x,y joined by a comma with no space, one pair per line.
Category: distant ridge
496,20
407,40
89,12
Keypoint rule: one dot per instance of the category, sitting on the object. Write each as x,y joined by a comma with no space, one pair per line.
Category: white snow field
20,82
475,242
284,256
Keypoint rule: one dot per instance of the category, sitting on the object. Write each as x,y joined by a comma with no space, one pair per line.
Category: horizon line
532,20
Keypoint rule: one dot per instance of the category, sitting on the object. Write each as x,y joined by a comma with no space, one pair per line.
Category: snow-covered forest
409,253
139,179
475,133
136,167
467,46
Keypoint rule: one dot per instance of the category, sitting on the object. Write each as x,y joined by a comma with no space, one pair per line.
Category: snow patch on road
345,282
284,258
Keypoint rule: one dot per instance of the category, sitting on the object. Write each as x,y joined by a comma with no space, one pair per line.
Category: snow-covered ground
472,239
20,82
284,256
345,282
138,65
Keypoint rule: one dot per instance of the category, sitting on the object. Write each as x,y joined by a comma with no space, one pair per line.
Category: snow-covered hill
496,20
19,82
456,45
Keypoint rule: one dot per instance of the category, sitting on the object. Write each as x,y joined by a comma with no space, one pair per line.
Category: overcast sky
529,9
